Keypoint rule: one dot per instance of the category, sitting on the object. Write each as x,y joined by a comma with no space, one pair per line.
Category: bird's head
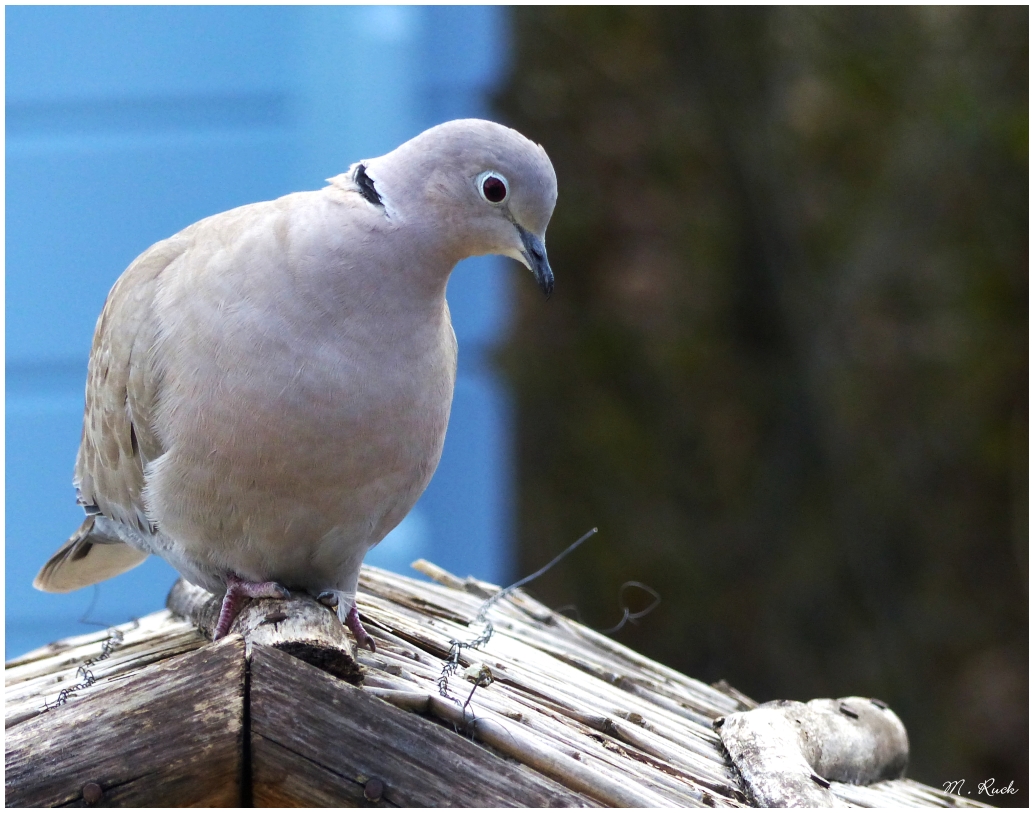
472,187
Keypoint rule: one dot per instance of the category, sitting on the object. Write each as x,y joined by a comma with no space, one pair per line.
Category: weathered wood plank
170,735
342,737
287,779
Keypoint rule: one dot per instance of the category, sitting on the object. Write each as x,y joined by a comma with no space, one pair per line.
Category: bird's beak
535,258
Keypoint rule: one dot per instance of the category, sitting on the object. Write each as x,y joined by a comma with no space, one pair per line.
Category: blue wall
126,124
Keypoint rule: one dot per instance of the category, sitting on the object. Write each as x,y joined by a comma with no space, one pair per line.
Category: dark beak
535,254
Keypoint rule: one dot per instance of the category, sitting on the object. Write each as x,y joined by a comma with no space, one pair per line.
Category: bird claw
332,600
237,592
362,637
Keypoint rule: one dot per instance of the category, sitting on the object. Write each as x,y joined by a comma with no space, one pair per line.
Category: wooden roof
546,713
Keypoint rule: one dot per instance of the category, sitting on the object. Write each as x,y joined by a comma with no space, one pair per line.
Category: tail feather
91,555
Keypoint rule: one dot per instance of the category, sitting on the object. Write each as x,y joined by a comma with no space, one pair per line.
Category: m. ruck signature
985,788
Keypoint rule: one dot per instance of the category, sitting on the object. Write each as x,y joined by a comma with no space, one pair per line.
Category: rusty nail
717,723
275,618
878,703
847,711
92,793
818,780
374,789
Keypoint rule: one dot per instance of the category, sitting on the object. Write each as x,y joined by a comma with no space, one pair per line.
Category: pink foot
362,637
237,592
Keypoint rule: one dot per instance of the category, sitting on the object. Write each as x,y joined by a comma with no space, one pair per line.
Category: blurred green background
785,367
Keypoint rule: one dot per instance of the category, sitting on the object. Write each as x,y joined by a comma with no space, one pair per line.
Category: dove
268,390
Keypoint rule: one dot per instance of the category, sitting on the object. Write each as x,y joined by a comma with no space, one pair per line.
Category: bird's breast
344,406
283,436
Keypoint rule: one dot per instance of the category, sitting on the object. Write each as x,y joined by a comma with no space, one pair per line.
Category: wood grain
37,678
317,741
172,734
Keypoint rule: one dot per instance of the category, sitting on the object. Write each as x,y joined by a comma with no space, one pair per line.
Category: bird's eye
492,186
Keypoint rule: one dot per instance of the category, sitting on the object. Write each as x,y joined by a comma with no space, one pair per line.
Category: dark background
785,367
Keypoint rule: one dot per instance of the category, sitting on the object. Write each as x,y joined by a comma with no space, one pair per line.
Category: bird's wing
122,388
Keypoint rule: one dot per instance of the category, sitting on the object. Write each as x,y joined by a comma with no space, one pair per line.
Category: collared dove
268,389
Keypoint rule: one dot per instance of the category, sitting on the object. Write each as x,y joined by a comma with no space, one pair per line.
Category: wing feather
123,384
92,554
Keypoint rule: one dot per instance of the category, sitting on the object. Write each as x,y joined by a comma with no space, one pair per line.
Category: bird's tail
91,555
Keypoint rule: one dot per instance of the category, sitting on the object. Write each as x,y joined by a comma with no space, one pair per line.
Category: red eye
493,188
